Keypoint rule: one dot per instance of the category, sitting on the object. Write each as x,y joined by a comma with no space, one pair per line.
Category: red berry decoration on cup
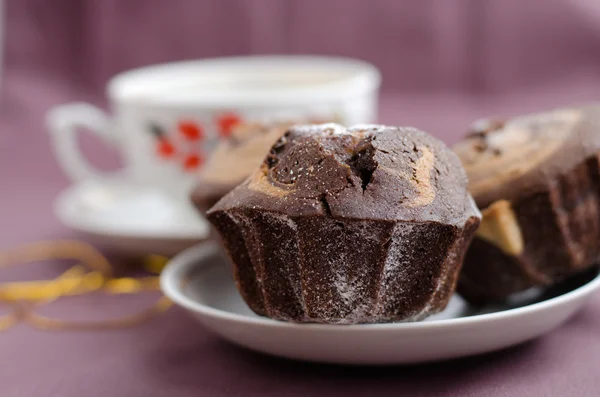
192,162
226,123
164,147
190,130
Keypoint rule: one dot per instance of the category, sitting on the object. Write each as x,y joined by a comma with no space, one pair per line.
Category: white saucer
132,220
200,281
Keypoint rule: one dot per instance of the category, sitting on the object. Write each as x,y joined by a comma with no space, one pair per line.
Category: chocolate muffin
360,225
537,181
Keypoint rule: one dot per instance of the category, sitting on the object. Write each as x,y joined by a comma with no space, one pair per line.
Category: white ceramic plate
199,280
129,219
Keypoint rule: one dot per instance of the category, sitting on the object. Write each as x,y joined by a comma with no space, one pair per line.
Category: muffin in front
349,225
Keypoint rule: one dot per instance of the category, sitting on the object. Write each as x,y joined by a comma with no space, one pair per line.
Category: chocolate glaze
365,224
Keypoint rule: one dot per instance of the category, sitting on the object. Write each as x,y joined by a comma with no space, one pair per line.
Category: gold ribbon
92,273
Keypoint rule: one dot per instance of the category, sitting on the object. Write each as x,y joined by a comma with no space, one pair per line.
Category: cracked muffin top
363,172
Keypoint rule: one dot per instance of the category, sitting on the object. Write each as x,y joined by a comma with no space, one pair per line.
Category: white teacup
167,118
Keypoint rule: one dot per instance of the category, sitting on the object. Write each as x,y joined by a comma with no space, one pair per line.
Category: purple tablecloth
172,355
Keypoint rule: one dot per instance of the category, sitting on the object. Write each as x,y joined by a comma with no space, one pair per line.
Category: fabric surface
173,355
445,63
492,45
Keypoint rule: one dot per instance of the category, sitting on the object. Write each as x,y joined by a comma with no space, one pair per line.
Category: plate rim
179,267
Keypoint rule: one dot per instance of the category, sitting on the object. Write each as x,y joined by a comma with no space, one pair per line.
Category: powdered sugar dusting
398,273
290,267
245,228
473,209
348,286
393,264
332,128
394,267
348,302
282,218
370,127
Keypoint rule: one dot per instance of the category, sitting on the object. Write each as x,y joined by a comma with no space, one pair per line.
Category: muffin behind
233,160
537,180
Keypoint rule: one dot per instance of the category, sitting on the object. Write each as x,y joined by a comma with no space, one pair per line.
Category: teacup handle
64,122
